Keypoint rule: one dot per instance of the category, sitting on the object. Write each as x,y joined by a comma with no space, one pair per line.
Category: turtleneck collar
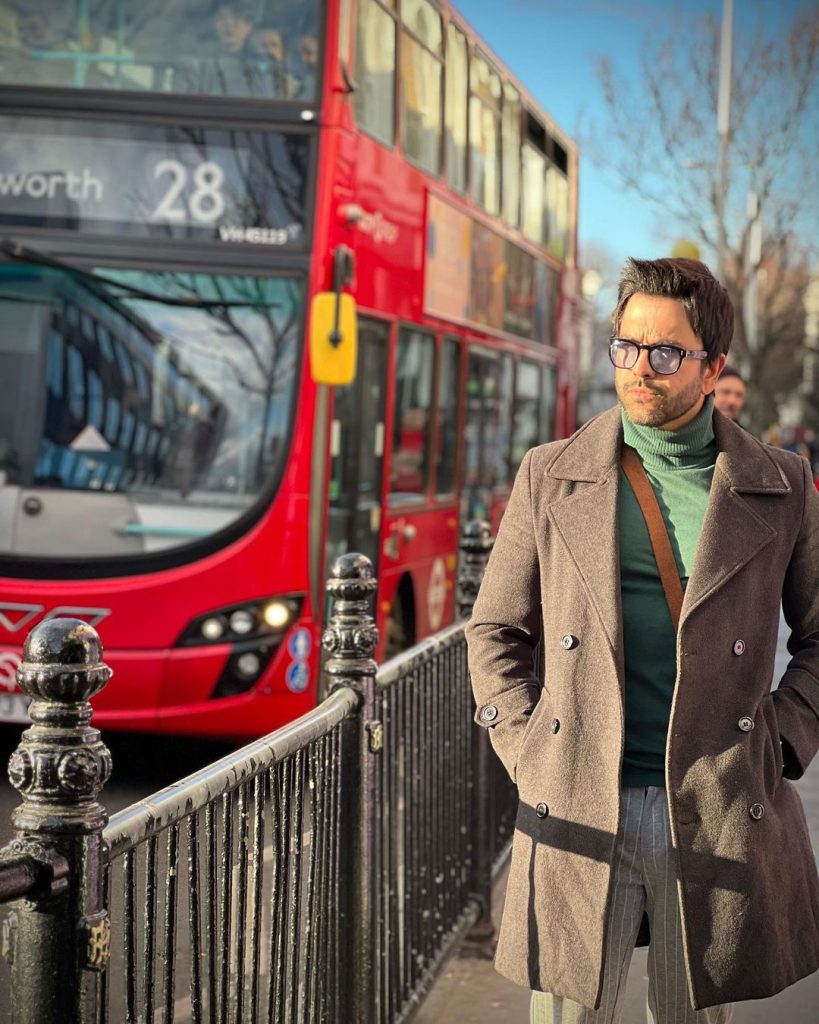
691,445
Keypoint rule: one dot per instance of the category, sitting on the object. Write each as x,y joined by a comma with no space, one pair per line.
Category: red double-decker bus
189,191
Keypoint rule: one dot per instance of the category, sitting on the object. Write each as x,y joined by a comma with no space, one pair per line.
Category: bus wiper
24,254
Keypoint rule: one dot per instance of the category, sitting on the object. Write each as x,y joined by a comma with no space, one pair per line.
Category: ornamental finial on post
476,543
351,637
61,764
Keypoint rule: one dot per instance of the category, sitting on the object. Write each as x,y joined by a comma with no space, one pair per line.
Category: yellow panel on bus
333,338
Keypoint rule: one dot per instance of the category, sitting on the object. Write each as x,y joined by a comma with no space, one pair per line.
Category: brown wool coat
749,891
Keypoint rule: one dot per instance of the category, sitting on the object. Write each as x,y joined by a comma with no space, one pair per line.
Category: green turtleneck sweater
680,466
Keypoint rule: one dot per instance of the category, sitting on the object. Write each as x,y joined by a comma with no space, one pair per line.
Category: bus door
357,449
487,434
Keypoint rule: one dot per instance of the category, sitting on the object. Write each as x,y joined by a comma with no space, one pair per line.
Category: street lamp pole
724,126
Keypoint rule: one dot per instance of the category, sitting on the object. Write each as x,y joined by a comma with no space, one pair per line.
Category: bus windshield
142,410
263,48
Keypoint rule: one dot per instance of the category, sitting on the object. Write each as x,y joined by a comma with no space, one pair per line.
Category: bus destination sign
188,183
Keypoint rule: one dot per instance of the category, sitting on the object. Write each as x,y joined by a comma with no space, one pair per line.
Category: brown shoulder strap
661,545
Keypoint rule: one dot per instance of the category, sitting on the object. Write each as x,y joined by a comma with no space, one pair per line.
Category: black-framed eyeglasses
665,359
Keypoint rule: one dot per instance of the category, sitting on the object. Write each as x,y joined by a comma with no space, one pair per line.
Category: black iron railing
319,874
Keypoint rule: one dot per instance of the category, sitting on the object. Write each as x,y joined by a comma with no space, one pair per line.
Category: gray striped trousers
645,880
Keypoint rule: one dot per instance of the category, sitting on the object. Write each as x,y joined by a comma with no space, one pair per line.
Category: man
729,394
649,762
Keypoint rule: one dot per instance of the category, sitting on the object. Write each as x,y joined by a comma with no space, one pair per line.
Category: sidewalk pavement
470,991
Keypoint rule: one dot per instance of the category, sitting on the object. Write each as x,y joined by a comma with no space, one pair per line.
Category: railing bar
102,1006
427,827
256,884
280,892
334,950
192,830
386,826
170,921
311,895
149,947
131,826
291,1004
444,819
274,888
321,966
411,858
129,936
211,909
397,844
225,904
241,907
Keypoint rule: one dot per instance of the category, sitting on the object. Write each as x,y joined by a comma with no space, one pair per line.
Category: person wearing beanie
643,562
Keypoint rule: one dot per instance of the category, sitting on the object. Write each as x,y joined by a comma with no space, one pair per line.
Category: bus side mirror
333,338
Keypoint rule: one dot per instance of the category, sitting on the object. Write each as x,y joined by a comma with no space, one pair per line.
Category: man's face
729,396
232,28
662,400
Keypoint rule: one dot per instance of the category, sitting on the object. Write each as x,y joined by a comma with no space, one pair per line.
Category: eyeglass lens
663,358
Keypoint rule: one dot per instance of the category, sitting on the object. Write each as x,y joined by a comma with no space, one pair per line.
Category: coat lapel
732,531
586,519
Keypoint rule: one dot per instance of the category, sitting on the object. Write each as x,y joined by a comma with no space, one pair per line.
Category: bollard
350,640
58,935
476,543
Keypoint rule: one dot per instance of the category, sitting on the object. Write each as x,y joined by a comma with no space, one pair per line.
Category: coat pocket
771,759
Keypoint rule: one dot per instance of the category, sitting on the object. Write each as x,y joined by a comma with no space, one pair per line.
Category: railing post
58,936
476,543
350,640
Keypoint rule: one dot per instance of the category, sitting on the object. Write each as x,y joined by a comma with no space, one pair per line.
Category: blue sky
551,46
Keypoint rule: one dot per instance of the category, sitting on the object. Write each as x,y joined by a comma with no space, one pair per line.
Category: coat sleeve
505,627
797,697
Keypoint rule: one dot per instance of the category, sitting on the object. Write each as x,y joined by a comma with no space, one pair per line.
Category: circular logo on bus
9,663
436,594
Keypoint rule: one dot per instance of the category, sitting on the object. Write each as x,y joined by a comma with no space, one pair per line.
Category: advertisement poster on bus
488,277
448,263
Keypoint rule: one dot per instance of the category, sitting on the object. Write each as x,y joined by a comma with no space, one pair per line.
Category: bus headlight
242,622
277,614
213,628
261,619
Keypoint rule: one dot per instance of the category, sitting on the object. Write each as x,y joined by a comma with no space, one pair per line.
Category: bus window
409,468
534,170
486,431
457,92
503,476
511,155
233,48
548,393
557,213
528,428
484,135
446,455
213,376
421,44
375,72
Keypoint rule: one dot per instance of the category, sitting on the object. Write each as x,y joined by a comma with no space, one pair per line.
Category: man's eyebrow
661,341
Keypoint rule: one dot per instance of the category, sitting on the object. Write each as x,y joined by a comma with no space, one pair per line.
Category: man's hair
729,371
705,301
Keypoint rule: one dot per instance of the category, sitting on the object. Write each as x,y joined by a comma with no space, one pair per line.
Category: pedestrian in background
729,393
648,555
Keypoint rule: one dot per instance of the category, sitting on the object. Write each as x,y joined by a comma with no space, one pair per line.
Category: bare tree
660,139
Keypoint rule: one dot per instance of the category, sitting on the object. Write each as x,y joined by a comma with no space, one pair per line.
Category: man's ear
713,368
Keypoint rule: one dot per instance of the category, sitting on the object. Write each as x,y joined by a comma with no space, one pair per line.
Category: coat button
739,646
542,810
555,725
489,713
756,811
745,723
568,642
